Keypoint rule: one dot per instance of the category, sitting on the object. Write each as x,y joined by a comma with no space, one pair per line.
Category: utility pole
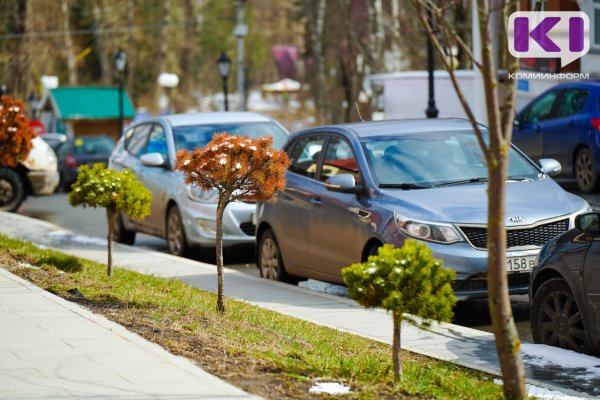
240,32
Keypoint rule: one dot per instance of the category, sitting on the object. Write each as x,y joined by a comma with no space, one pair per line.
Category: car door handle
316,201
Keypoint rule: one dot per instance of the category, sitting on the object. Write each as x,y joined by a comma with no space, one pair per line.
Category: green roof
91,103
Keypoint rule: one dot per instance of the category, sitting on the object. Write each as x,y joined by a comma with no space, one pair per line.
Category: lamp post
224,64
169,82
432,111
120,62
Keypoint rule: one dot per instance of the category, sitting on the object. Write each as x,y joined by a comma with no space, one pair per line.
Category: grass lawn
260,351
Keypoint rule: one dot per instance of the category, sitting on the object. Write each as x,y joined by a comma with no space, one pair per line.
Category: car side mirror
152,160
342,183
517,123
550,166
588,223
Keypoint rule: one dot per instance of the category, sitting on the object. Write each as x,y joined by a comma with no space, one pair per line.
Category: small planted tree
115,191
15,133
406,281
238,168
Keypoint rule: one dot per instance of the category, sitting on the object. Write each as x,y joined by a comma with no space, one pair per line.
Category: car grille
248,228
535,236
481,283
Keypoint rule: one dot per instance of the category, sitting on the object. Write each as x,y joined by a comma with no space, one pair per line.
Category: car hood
528,202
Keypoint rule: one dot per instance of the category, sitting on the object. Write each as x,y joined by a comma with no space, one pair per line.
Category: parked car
564,123
183,214
37,175
565,289
80,150
351,188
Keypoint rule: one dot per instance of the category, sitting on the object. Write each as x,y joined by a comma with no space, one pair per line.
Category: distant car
180,213
565,289
37,175
351,188
564,123
81,150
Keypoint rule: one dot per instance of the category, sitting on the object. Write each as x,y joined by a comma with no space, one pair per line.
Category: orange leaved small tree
15,133
238,168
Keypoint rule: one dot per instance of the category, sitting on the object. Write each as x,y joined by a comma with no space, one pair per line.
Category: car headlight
428,231
204,196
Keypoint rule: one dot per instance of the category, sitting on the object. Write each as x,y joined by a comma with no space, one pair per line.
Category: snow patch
544,393
542,355
329,388
324,287
69,237
27,265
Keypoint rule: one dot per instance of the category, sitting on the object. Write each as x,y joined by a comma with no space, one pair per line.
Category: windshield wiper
519,179
463,181
404,186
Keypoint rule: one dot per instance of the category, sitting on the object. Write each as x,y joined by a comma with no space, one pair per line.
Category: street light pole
432,111
224,64
120,61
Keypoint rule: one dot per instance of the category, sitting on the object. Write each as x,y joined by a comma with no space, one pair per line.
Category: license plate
520,264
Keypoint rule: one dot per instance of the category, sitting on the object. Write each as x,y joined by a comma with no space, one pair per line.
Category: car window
305,155
542,109
339,159
137,141
435,158
571,102
189,137
157,141
93,145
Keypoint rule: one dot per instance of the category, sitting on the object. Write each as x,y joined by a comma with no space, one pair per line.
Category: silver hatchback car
180,213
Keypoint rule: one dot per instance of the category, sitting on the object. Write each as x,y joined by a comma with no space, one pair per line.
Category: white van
37,175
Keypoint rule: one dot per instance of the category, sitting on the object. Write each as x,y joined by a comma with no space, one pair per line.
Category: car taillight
596,123
71,162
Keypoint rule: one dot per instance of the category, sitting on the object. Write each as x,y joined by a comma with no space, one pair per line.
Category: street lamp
432,111
169,82
120,62
224,64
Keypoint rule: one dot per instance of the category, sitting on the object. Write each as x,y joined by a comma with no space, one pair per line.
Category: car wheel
556,318
585,171
122,234
176,239
12,192
270,263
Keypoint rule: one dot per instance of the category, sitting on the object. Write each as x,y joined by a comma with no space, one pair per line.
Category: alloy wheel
269,260
6,192
585,172
174,233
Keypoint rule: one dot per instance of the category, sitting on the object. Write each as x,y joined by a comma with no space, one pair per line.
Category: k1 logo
543,34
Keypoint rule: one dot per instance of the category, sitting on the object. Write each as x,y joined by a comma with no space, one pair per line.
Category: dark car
563,123
564,289
81,150
351,188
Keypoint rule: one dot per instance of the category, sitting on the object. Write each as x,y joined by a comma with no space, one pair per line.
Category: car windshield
424,160
192,136
93,145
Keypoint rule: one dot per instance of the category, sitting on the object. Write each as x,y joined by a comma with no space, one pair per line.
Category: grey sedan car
351,188
183,214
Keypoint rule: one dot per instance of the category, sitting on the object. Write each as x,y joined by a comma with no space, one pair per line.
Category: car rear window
192,136
93,145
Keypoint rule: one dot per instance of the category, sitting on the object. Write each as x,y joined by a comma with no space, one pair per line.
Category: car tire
556,317
176,240
122,234
12,191
585,171
269,261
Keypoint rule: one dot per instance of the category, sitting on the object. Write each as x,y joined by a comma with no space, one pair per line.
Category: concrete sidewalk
53,349
460,345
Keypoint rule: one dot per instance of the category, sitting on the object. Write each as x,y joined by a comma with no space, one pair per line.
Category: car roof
590,84
212,118
400,126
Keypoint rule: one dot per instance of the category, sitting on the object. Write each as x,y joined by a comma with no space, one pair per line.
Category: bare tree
69,48
315,20
188,51
131,49
103,60
500,114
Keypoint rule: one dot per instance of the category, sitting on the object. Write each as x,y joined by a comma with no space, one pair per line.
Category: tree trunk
131,52
71,63
162,51
508,344
315,25
219,256
111,217
188,51
105,70
396,355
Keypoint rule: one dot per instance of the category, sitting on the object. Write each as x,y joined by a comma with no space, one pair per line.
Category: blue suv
563,123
